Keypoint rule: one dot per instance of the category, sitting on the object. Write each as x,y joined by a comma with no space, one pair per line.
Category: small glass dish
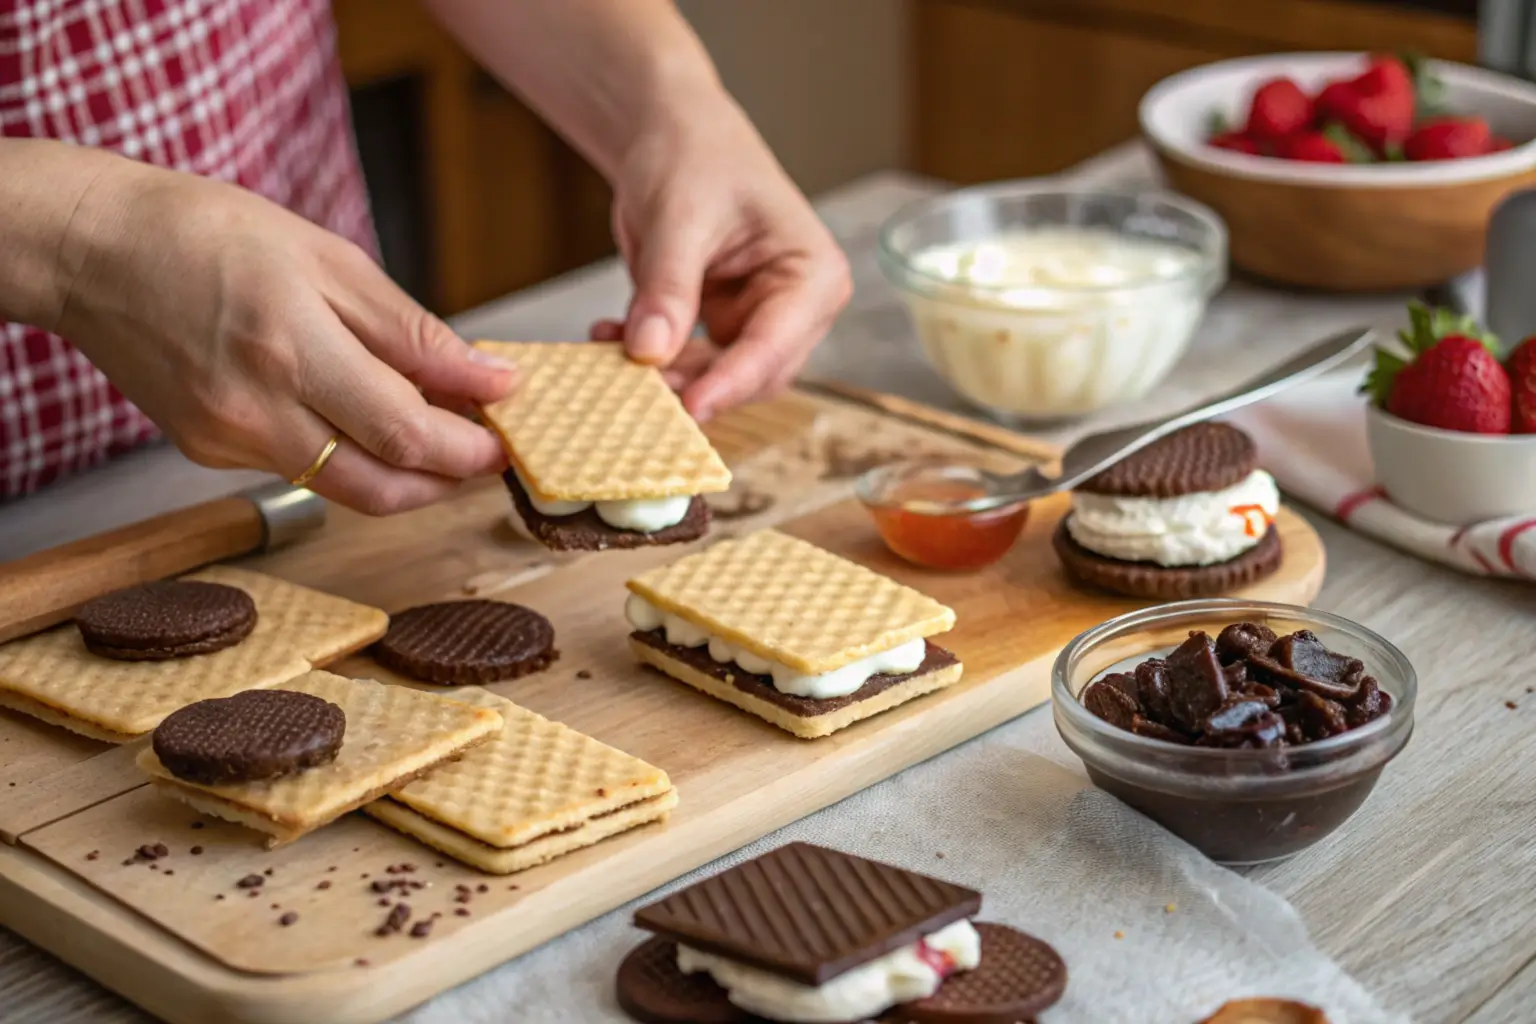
1039,303
941,514
1237,807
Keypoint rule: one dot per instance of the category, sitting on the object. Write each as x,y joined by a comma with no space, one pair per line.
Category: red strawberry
1521,366
1377,105
1448,138
1311,147
1498,144
1279,109
1452,380
1237,142
1333,100
1386,73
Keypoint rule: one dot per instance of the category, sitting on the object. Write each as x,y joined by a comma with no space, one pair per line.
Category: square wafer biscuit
54,678
322,627
790,601
394,734
588,424
539,789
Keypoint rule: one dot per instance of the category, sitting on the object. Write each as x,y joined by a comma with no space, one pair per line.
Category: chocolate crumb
437,863
148,852
938,854
395,921
383,903
361,961
218,895
462,912
324,883
254,893
196,851
127,863
268,872
357,849
288,919
169,871
461,887
197,824
601,791
511,888
251,882
436,914
380,885
463,897
277,906
331,868
581,673
1511,705
482,887
421,929
93,855
363,875
154,867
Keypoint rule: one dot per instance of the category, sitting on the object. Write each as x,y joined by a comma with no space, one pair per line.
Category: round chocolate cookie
1165,583
461,643
1203,457
166,619
1019,976
653,991
253,735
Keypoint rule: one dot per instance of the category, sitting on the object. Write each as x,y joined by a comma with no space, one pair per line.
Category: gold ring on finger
319,463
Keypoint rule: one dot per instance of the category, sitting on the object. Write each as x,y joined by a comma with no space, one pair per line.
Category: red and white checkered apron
246,91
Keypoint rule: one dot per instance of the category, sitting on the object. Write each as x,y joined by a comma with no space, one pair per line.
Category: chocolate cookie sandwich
288,762
780,628
166,619
462,643
603,454
1190,515
808,934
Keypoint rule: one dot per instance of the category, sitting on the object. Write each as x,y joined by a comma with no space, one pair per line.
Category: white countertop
1427,896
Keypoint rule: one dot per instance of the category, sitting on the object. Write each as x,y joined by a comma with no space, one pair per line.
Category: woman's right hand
251,336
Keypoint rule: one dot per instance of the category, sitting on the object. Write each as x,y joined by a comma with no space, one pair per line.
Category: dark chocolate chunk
1243,722
1111,703
464,643
808,913
1124,682
1258,691
1243,640
1152,685
586,531
1302,661
1196,683
1018,978
1157,731
1236,674
761,686
1200,458
166,619
288,919
1370,703
1321,717
1155,582
257,734
652,990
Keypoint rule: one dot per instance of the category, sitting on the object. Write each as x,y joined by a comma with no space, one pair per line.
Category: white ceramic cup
1451,477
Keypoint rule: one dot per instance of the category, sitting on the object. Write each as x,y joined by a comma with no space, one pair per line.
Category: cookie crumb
938,854
170,871
462,911
324,883
1511,705
196,851
421,929
93,855
581,673
361,961
268,872
288,919
218,895
250,882
482,887
197,824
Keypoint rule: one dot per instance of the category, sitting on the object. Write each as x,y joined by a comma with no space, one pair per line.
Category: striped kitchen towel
1312,438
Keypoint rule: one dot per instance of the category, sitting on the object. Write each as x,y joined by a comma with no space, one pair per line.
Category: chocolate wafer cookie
1019,977
1162,583
1208,456
652,990
463,643
586,531
166,619
254,735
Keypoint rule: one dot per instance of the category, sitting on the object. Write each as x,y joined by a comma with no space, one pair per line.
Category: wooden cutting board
72,811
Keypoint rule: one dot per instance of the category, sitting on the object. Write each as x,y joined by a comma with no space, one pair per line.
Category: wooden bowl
1342,227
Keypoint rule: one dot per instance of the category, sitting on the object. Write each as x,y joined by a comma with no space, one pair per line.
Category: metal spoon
1094,453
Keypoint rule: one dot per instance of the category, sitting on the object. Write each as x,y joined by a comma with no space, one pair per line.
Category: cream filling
642,515
898,660
1192,529
867,990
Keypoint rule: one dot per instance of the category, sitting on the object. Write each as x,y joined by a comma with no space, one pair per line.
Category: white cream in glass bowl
1039,304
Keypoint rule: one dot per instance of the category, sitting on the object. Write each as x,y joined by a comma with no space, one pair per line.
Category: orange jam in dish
916,523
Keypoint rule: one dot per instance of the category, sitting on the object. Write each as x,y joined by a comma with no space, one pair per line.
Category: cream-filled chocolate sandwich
789,632
603,454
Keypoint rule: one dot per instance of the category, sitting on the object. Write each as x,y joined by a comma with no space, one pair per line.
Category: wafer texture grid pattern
792,602
322,627
588,424
536,777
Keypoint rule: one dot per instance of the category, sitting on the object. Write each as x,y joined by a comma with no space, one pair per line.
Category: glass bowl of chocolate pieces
1249,729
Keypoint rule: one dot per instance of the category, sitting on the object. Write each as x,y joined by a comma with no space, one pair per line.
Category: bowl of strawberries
1452,420
1348,172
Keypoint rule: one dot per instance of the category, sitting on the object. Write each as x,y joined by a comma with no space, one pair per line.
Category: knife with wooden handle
46,588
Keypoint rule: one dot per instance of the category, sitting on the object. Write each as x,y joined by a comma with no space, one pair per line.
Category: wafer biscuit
539,789
789,601
52,676
588,424
322,627
393,735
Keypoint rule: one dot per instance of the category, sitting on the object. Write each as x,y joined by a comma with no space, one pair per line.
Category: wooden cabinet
502,201
1013,88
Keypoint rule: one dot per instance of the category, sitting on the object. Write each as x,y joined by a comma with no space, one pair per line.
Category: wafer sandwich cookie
536,791
1190,515
390,735
806,933
603,453
780,628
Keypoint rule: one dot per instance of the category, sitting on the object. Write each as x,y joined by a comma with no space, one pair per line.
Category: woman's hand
252,336
714,231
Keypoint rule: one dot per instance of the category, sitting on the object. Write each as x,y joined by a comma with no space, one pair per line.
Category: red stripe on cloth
1507,543
1346,508
1461,531
1487,566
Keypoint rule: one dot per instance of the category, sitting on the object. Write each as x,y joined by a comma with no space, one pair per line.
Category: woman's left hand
714,231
